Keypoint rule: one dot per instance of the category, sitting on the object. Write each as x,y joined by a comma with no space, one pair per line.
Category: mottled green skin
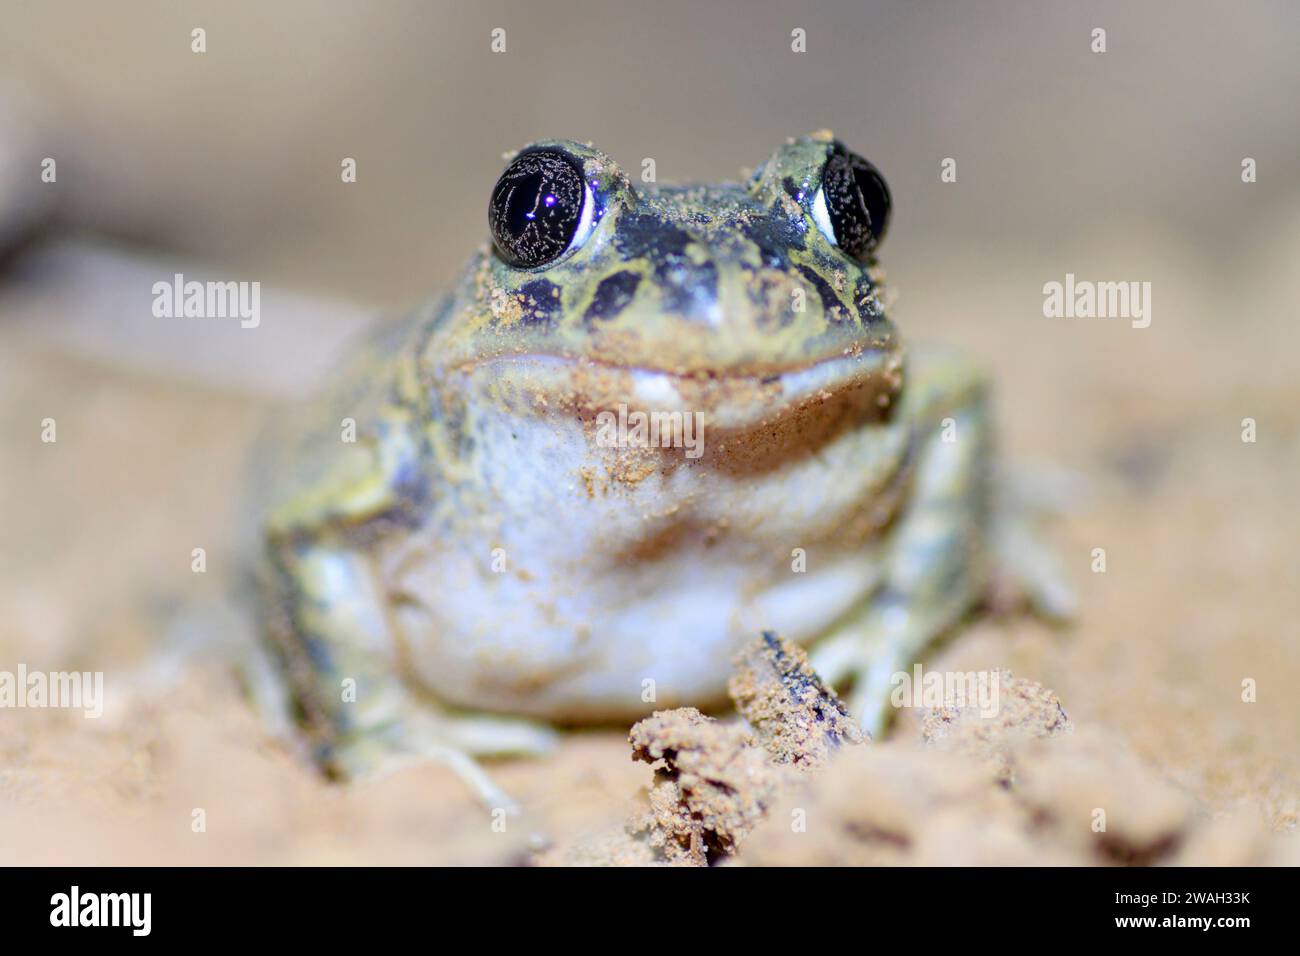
477,548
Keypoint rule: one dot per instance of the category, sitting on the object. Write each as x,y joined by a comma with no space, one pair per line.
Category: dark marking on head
687,286
866,296
793,189
541,301
643,236
776,234
613,295
830,300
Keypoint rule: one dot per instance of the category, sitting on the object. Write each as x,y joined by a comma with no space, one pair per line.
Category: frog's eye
852,206
539,206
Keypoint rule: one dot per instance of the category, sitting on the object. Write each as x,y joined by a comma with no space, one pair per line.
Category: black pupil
857,200
536,207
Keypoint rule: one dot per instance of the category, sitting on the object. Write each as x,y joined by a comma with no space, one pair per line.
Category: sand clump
715,781
797,719
1016,784
1025,710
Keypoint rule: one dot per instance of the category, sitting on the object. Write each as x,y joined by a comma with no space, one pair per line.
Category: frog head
736,299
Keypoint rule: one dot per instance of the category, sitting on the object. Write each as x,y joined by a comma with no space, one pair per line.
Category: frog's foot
870,654
329,623
451,740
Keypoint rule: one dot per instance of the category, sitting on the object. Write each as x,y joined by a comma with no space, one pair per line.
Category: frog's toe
869,700
849,661
486,735
837,658
452,741
367,760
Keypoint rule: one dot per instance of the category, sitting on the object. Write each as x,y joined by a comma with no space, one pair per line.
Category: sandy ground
1201,532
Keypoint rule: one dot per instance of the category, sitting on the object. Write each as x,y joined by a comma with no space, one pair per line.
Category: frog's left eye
852,206
540,207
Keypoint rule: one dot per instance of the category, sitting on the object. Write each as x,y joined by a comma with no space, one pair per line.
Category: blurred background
1117,166
234,154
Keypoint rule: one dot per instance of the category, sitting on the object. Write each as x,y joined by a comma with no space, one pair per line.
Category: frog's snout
749,312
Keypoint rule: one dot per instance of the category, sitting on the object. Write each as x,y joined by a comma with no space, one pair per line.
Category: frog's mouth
727,399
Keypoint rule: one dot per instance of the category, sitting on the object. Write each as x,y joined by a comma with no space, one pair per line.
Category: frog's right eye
541,207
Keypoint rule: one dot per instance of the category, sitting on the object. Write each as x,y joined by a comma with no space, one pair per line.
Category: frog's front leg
328,617
937,562
333,633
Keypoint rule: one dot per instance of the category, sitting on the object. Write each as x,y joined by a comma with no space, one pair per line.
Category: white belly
611,647
605,602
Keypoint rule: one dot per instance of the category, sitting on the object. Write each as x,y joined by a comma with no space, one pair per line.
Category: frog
461,558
